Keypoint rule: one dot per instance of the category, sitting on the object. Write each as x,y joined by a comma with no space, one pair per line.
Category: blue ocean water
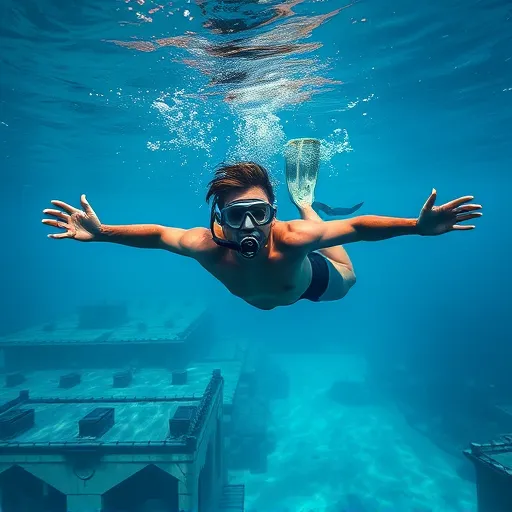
135,102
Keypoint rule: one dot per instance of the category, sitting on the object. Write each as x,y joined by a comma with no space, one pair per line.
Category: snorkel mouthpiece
249,246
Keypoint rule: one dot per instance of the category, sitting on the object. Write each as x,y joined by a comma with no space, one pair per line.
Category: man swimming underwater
265,261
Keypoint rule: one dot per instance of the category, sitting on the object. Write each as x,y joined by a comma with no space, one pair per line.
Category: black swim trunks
319,277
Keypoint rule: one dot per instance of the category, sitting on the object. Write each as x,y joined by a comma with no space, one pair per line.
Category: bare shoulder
198,240
296,233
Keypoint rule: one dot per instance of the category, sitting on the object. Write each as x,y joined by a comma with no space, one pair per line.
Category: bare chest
254,280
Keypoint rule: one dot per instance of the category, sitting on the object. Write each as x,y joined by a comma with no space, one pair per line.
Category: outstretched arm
366,228
150,236
431,221
85,226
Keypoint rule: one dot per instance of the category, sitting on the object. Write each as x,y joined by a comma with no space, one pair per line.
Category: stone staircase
233,498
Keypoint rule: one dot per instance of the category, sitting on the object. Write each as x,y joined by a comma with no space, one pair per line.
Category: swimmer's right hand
82,225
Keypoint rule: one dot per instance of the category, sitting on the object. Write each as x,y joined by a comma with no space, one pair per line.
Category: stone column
220,455
214,477
84,503
188,492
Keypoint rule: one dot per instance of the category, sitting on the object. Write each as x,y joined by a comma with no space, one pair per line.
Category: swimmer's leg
302,160
342,276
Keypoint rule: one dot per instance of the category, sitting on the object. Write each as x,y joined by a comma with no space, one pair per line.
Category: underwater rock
351,393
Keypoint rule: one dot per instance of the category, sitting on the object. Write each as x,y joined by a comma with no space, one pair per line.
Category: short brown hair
239,175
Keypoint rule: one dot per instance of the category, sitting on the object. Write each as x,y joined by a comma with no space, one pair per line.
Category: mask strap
220,241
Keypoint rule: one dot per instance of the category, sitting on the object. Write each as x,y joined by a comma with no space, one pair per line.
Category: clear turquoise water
405,96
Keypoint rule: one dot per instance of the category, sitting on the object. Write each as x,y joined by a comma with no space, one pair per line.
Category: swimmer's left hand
437,220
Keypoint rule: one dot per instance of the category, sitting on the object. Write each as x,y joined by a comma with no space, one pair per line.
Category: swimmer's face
236,235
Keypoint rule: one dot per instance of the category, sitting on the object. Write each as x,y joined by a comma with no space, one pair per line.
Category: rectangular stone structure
97,422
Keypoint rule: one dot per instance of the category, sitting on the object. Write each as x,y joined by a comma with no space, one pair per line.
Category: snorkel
250,244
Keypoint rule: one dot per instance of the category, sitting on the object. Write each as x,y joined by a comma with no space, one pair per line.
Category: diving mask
234,214
245,215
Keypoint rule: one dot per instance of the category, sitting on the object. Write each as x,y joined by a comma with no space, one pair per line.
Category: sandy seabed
336,458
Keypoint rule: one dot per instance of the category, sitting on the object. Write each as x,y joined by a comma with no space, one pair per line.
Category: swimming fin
334,212
302,161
